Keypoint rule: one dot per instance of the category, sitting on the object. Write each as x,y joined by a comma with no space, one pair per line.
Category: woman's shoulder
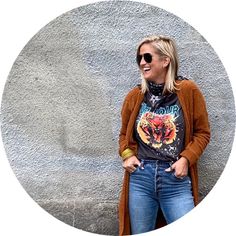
185,83
134,92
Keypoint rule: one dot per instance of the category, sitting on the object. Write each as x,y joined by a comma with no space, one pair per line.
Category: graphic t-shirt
159,128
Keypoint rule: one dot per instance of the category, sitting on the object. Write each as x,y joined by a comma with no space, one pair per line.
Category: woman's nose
142,62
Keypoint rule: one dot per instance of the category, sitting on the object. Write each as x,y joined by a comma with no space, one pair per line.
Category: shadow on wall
62,100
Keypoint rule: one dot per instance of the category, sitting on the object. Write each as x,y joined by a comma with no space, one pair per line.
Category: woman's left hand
180,167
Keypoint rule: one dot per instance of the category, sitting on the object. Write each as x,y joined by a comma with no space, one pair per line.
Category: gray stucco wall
60,111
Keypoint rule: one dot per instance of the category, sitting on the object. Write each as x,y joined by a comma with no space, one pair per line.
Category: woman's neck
157,82
160,79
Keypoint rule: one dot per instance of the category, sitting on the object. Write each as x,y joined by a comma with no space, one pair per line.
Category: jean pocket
138,167
179,178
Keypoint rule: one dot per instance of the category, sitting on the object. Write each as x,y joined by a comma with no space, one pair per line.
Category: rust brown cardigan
197,136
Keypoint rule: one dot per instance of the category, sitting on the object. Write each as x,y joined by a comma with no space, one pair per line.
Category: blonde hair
165,47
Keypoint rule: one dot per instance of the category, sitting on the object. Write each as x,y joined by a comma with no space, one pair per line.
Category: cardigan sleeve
201,128
124,150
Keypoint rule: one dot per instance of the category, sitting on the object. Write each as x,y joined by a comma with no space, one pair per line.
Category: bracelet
127,153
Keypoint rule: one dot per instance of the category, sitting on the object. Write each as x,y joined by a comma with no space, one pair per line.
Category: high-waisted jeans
152,188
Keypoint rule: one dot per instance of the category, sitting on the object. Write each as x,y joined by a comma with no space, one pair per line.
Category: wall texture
60,111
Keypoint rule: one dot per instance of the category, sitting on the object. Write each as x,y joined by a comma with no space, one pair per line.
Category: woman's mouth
146,69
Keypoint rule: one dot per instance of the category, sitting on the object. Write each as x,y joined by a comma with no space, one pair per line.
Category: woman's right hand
131,163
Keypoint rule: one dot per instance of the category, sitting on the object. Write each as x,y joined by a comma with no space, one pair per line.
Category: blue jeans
151,189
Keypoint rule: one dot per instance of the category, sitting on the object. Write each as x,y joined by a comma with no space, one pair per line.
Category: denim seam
155,179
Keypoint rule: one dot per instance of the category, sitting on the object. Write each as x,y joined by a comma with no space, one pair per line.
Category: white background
21,20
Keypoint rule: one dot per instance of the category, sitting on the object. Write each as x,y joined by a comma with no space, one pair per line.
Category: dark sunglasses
146,56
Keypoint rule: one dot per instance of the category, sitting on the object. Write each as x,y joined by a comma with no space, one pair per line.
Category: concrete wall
60,113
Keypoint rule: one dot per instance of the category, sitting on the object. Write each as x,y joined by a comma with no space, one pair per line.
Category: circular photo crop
61,108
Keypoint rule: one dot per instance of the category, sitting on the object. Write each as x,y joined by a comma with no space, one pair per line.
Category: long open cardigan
197,136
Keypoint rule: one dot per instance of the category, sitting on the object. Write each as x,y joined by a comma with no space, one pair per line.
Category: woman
164,131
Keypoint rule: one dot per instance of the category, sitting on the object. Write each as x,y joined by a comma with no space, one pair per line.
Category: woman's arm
201,128
124,150
130,161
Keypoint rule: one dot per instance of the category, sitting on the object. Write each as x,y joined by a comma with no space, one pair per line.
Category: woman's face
157,68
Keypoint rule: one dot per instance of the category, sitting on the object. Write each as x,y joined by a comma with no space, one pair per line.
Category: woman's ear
166,61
